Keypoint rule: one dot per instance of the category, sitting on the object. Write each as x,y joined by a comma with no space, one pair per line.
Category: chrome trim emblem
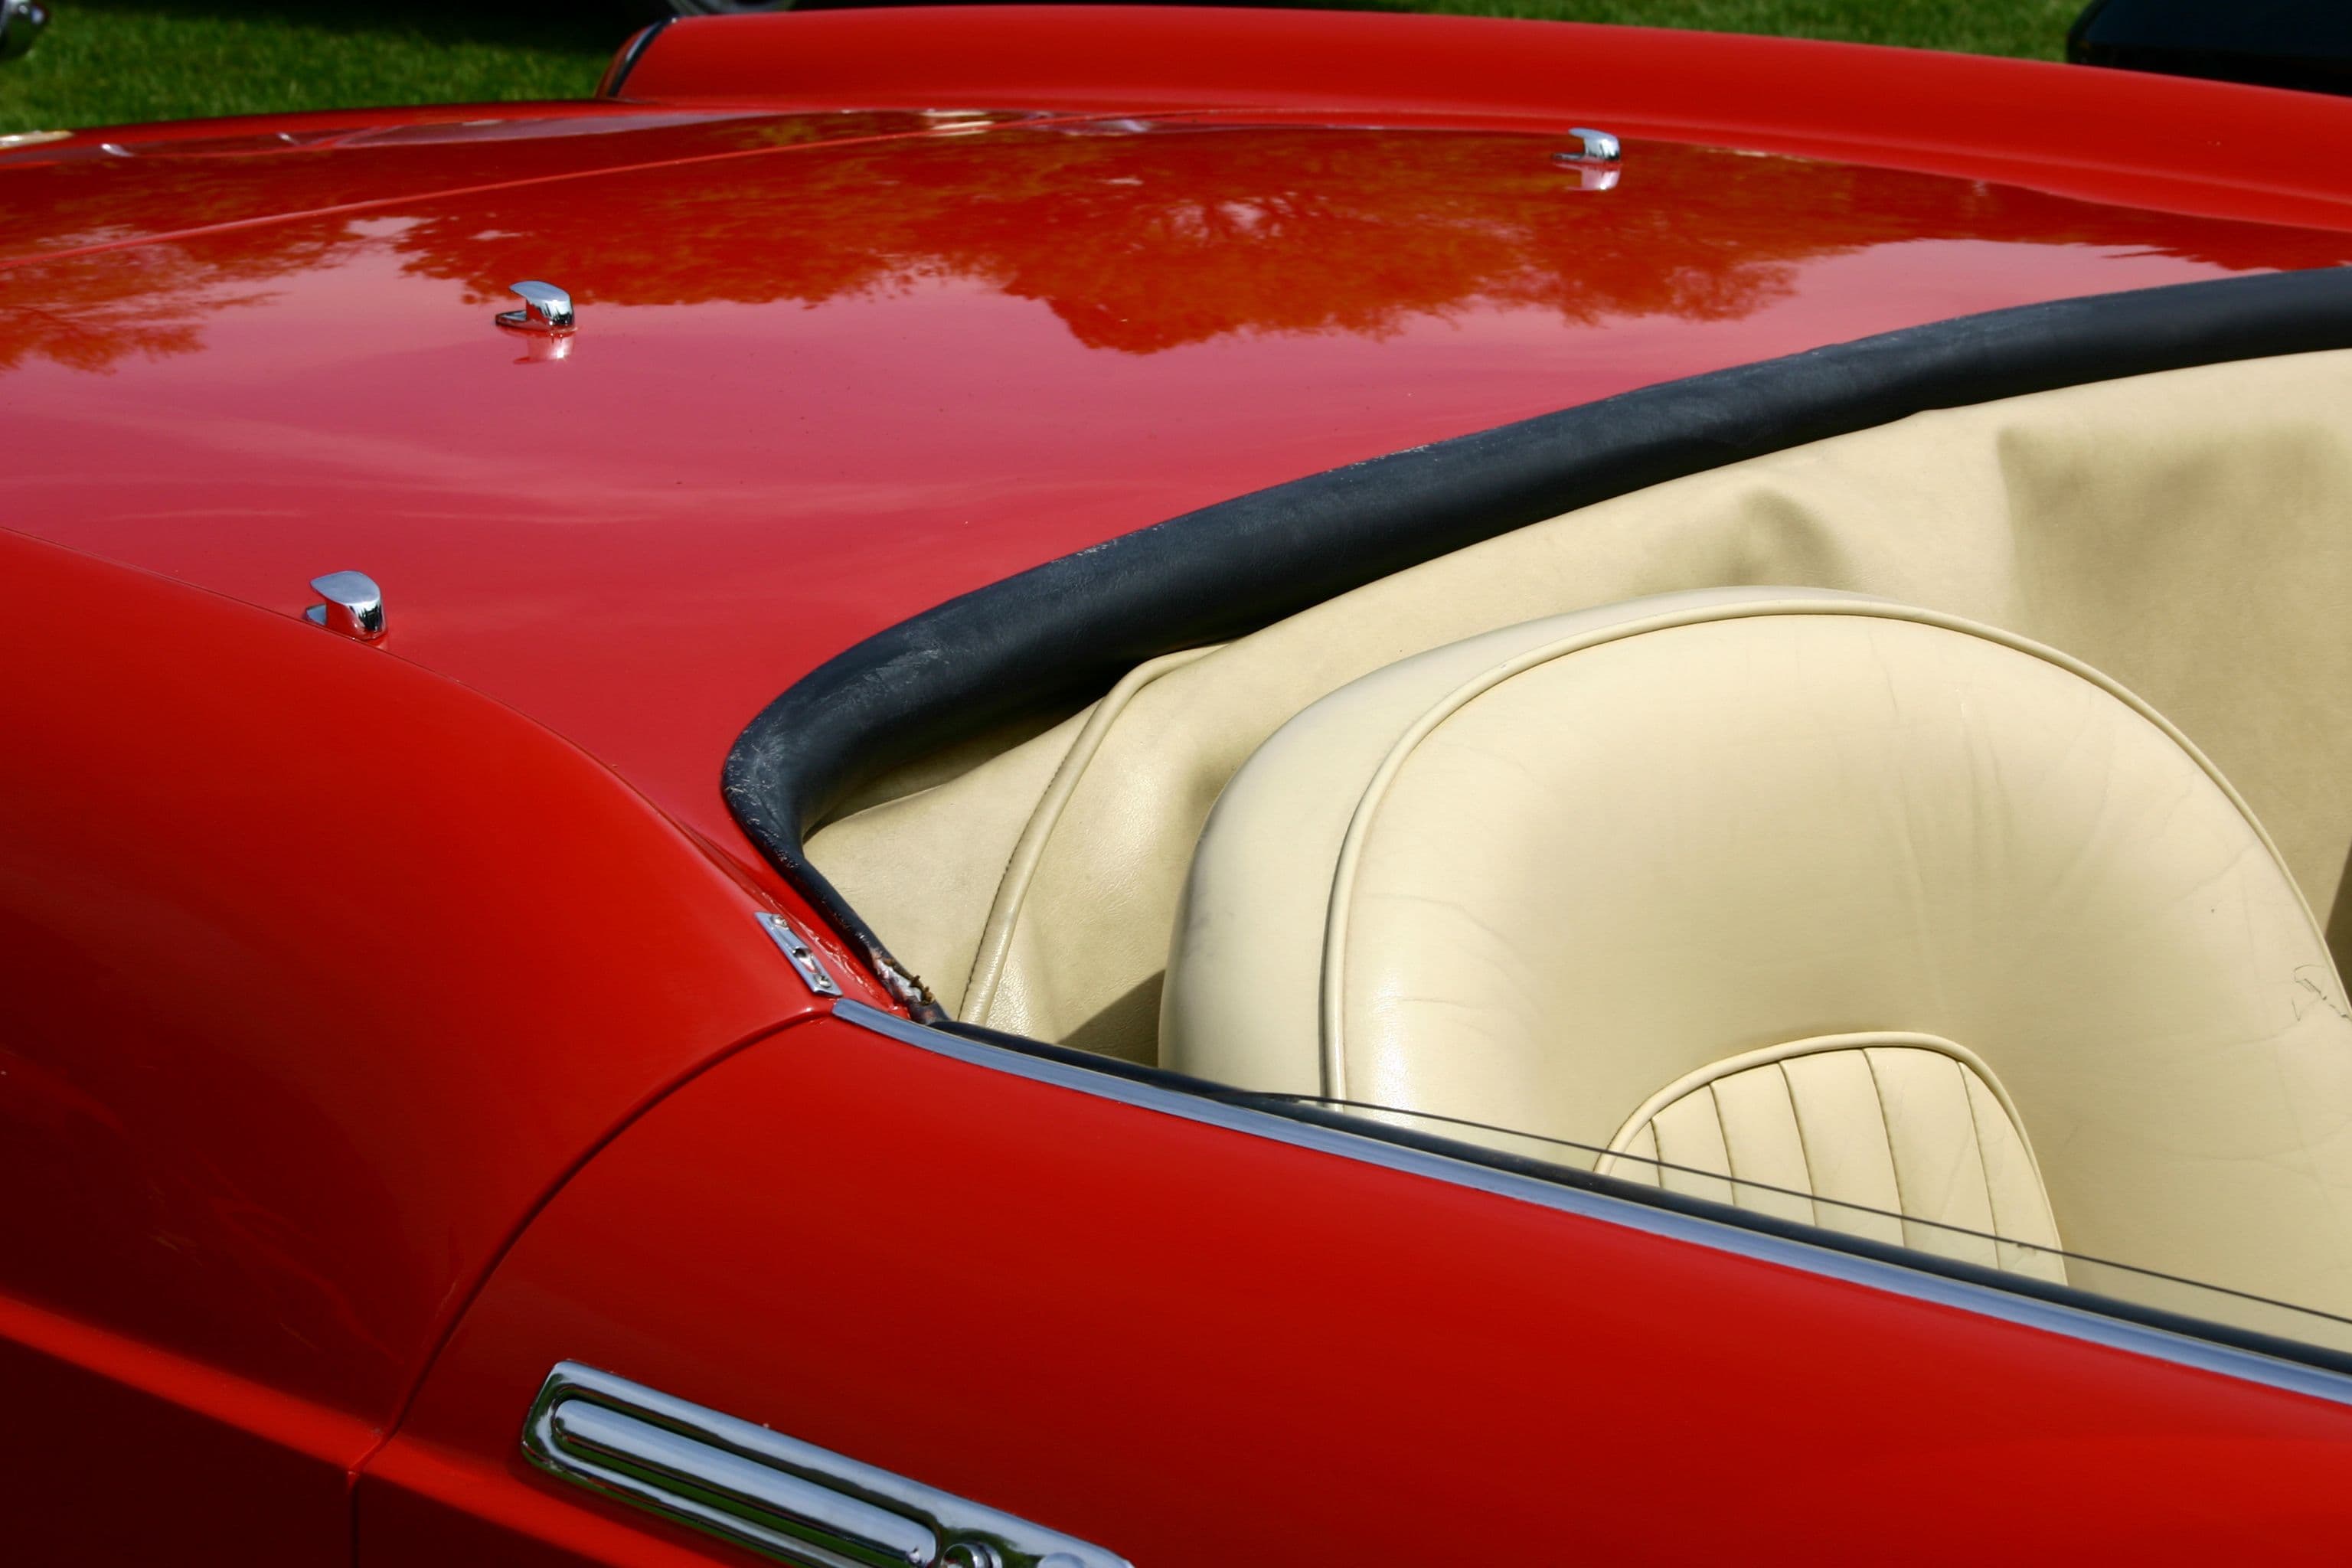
766,1492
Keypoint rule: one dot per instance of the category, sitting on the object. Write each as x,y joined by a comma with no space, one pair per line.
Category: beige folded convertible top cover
2189,533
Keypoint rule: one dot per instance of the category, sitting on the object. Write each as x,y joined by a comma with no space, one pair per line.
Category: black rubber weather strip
1065,631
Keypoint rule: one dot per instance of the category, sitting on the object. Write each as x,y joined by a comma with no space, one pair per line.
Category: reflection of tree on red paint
1146,240
64,196
90,313
1142,242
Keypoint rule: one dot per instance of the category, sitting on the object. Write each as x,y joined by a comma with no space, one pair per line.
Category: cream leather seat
1857,902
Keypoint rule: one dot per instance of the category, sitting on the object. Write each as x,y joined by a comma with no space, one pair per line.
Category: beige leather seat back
1847,899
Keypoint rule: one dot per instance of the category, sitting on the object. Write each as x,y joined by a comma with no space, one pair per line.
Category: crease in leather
1020,865
936,869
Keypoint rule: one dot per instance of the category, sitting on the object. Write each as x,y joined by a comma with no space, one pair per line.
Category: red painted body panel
110,189
226,1471
1198,1347
322,972
328,964
2107,135
821,384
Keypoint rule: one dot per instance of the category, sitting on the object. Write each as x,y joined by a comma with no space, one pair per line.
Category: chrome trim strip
766,1492
799,954
2053,1317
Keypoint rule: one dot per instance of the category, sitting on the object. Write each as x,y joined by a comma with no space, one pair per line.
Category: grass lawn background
109,61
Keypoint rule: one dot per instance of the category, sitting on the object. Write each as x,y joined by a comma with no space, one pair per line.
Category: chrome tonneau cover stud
1595,147
545,307
355,606
1596,160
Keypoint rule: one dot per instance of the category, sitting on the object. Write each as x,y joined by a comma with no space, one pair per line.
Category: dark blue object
2302,43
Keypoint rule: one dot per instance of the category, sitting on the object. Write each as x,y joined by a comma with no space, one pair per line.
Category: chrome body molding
766,1492
1921,1283
799,954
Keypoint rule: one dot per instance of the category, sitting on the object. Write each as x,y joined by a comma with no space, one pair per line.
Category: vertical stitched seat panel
1899,1143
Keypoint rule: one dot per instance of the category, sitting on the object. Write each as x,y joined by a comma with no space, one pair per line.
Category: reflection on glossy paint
1138,237
79,191
544,348
857,377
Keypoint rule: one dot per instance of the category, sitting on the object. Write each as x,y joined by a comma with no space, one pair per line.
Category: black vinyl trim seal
2272,1362
1065,631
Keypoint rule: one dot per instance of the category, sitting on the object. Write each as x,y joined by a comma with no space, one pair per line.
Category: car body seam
465,1295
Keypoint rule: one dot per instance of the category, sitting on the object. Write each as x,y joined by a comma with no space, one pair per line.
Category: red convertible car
1040,788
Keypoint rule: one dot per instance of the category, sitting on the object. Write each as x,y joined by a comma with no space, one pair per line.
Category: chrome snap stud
545,307
1595,158
355,606
1593,147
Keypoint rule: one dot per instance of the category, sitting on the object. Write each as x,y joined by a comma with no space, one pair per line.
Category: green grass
108,62
2035,29
104,62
